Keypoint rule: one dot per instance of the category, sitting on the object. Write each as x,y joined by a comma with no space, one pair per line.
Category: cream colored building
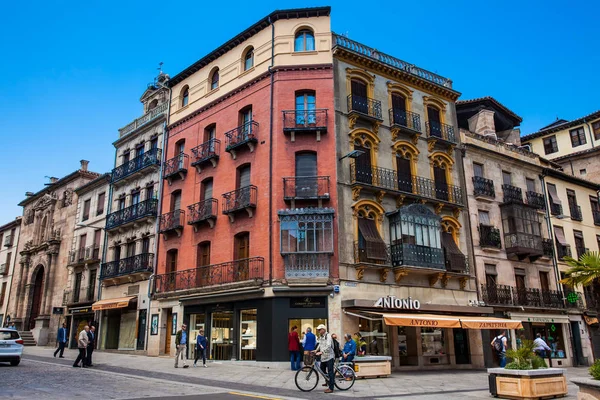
574,145
9,241
131,225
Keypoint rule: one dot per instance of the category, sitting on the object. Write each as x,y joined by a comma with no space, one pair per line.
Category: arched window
306,104
305,40
214,79
153,104
370,246
185,96
249,59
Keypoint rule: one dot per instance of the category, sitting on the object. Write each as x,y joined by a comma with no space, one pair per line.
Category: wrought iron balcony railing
306,188
512,296
305,120
574,299
457,263
206,152
146,208
421,187
581,251
404,254
149,158
365,106
489,236
203,211
306,265
524,244
575,212
240,199
438,130
361,255
243,270
512,194
177,165
127,266
243,134
536,200
563,251
483,187
547,248
144,119
591,302
556,209
596,215
171,221
85,254
8,241
405,119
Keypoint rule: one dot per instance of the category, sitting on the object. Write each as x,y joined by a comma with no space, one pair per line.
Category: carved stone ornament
431,144
355,193
395,133
379,196
360,272
376,125
450,150
400,200
68,198
415,139
444,279
456,212
44,202
433,278
438,208
383,274
352,121
463,282
399,274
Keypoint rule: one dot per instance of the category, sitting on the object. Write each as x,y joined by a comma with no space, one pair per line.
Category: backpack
498,344
336,348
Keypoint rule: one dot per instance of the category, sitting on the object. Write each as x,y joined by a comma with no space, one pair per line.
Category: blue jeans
330,373
502,357
295,360
350,358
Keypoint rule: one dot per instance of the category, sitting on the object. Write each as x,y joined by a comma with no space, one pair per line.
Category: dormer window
153,104
185,97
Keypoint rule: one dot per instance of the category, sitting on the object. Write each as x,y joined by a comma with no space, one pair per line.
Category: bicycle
307,378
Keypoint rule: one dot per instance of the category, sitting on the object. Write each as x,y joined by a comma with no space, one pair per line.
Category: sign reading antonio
397,303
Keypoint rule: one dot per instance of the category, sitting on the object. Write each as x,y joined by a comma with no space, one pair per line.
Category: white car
11,346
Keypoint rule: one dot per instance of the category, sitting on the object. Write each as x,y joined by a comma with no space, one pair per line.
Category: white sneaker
205,366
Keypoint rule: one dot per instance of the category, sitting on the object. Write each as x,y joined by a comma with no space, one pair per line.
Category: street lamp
353,154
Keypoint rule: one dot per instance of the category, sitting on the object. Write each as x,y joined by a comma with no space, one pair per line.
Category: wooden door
399,109
521,289
175,201
435,126
82,240
306,175
203,274
364,171
243,195
36,301
441,185
168,333
404,174
359,96
242,252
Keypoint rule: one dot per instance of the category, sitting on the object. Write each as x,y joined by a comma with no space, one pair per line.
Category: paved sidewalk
423,384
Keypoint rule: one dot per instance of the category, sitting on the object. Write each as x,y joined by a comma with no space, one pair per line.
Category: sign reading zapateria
397,303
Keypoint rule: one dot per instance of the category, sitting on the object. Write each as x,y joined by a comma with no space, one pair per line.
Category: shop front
421,336
77,319
119,325
250,329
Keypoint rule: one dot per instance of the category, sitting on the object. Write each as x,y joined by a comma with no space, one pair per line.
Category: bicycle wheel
344,377
307,379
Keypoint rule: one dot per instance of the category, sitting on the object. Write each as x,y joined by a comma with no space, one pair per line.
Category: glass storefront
373,340
304,323
433,344
221,339
196,323
248,334
552,333
407,345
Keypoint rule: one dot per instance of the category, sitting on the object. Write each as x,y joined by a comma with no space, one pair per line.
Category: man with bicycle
325,350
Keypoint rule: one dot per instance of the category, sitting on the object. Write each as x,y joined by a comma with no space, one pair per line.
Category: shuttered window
207,189
100,205
370,240
86,210
478,170
244,177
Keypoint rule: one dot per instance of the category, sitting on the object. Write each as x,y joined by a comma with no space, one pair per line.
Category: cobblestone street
118,376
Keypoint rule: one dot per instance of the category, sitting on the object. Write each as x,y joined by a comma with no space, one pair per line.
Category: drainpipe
591,132
550,231
271,154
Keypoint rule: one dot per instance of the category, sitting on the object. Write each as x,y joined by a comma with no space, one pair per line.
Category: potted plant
589,387
526,376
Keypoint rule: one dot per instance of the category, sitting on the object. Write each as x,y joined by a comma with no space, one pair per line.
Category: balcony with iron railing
8,241
131,168
306,188
150,116
483,187
176,168
362,255
535,200
596,216
207,152
504,295
512,194
575,211
244,272
547,248
406,121
243,135
364,107
591,302
172,222
75,297
389,181
556,209
439,131
405,254
85,255
489,237
144,209
141,264
306,265
562,251
305,121
241,199
523,245
203,211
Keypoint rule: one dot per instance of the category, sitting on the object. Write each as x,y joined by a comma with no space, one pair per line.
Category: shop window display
407,345
304,323
196,323
221,336
433,344
248,335
551,333
375,336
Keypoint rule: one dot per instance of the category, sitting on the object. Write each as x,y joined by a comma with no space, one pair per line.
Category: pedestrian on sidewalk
540,346
201,345
325,350
12,326
181,342
499,344
309,344
63,334
349,349
82,343
294,348
90,346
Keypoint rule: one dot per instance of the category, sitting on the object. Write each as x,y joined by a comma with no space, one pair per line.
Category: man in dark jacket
181,342
62,337
90,347
201,345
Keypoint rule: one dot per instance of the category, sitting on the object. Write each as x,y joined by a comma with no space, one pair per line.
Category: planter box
372,366
527,384
589,389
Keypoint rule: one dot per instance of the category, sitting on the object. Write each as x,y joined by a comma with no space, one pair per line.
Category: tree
585,272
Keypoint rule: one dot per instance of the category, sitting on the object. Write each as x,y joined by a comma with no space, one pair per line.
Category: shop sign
85,310
541,319
398,303
307,302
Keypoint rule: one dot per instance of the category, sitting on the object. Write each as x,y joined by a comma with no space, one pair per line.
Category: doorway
461,346
221,340
577,350
113,329
168,332
36,301
141,342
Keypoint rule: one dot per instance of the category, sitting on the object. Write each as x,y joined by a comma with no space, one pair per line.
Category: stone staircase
28,339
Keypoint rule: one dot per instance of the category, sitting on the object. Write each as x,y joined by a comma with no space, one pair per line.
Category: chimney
53,179
482,123
84,165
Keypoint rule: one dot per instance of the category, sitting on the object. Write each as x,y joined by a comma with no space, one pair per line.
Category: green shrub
595,370
524,357
538,362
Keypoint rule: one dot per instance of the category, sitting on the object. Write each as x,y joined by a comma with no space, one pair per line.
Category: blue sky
73,74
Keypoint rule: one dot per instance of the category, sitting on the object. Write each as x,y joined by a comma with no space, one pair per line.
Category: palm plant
585,272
